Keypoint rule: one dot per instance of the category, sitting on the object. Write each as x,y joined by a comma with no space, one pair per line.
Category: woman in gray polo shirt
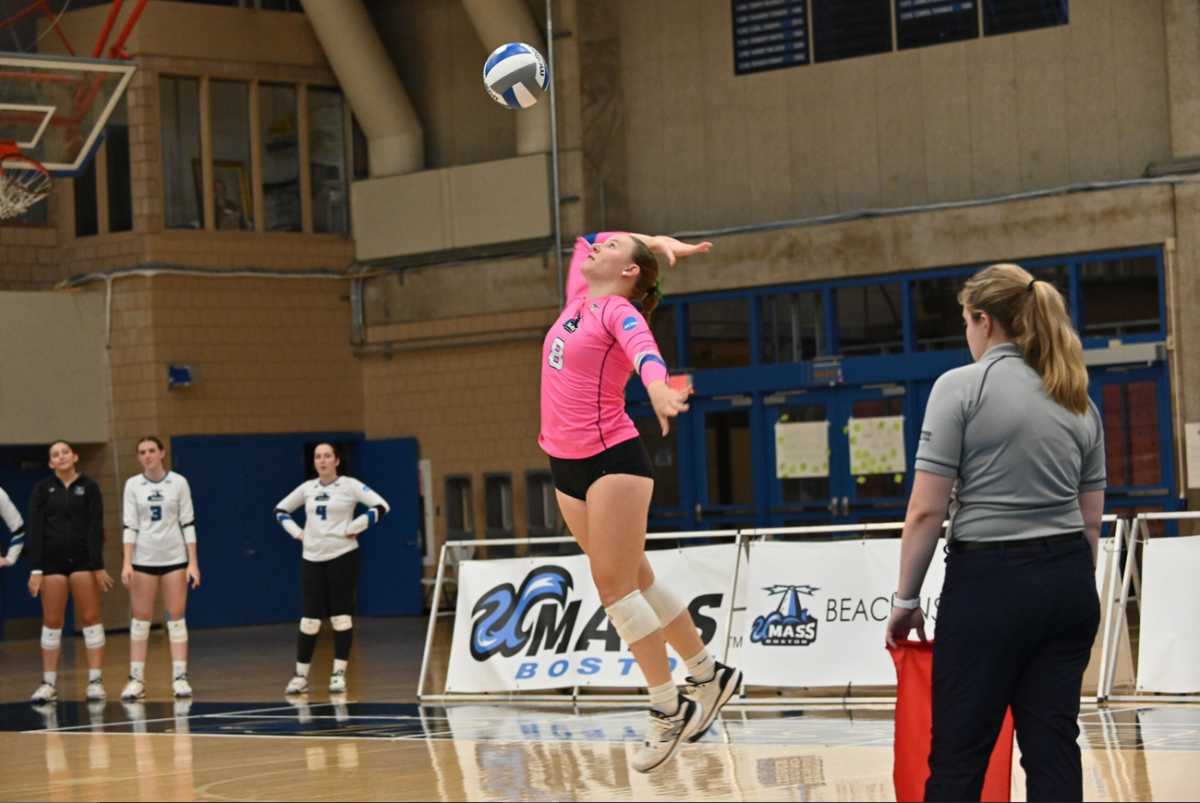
1016,442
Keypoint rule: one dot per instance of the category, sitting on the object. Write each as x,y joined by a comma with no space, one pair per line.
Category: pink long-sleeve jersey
586,360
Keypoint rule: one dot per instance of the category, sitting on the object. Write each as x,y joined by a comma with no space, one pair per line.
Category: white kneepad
93,636
341,623
666,603
139,630
51,639
177,631
633,617
310,627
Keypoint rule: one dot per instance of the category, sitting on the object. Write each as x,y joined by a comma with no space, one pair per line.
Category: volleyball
515,75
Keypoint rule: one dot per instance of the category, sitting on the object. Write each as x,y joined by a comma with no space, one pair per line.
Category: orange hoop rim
23,182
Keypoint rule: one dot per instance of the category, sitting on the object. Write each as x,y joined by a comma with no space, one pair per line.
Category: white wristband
906,604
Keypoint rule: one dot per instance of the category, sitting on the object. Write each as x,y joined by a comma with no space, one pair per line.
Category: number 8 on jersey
556,353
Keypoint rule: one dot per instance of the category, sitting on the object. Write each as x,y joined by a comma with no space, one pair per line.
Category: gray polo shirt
1020,459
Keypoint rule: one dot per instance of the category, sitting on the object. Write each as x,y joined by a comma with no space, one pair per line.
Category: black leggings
328,588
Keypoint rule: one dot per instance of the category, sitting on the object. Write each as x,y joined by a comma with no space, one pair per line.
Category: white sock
665,698
701,666
339,666
137,670
302,669
49,677
93,675
179,668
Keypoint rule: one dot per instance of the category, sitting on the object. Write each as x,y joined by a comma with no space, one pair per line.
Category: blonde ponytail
1034,314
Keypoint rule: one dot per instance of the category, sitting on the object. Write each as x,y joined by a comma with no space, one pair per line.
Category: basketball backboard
55,107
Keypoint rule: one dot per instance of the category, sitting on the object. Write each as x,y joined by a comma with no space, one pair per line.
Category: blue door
22,468
392,570
808,500
725,435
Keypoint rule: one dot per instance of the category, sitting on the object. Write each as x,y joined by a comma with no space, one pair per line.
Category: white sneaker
134,690
337,683
713,695
664,733
96,692
181,687
46,693
298,685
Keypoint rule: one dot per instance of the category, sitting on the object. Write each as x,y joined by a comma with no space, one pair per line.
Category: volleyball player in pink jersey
604,478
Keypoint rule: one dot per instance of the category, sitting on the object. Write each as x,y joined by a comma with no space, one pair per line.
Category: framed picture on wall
233,202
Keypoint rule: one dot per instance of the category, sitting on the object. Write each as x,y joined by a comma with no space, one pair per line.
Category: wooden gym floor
241,740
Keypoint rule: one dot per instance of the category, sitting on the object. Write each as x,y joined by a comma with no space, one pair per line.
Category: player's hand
351,535
103,580
5,562
667,403
300,537
35,584
904,622
193,575
672,249
127,575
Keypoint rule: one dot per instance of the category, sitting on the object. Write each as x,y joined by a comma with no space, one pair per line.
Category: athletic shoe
46,693
713,695
134,690
96,692
299,685
181,687
664,733
337,683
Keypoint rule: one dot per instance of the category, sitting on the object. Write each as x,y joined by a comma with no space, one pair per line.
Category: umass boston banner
537,623
816,613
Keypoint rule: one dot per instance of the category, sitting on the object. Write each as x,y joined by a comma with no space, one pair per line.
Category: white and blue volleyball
515,75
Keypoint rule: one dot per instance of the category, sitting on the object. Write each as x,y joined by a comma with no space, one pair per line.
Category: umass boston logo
790,625
502,629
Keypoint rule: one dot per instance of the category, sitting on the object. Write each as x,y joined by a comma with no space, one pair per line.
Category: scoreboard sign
769,35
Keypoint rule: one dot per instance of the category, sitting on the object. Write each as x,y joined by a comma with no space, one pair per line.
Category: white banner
537,623
1169,656
816,613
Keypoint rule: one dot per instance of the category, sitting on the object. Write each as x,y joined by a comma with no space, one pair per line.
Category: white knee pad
633,617
310,627
341,623
51,639
666,603
139,630
177,631
93,636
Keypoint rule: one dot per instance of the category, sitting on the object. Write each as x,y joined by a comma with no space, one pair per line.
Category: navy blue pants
1015,627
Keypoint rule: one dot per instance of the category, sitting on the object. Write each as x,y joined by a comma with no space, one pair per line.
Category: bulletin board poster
877,445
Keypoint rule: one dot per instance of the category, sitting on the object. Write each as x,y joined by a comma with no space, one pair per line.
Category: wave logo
500,614
790,625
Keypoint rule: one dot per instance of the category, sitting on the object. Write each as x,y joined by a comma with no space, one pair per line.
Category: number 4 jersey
159,519
329,515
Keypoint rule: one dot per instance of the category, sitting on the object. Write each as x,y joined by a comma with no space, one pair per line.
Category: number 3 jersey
329,515
159,519
587,358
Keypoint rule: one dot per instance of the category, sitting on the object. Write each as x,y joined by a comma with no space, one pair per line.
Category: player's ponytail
1034,314
645,289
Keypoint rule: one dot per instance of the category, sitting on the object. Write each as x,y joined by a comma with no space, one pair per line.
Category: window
1120,297
120,178
938,314
233,201
1012,16
793,327
869,320
327,161
878,486
662,326
180,116
498,503
1131,434
664,454
460,509
843,29
543,505
801,490
921,23
87,214
728,455
359,154
280,157
719,333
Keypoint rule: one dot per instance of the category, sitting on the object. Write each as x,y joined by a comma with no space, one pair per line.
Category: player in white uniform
160,548
329,572
16,528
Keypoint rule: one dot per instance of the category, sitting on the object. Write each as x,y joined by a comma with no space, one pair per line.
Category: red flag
914,730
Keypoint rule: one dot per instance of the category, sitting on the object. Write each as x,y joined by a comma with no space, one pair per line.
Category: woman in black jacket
66,550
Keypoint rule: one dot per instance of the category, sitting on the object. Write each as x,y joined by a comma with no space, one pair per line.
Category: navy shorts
575,477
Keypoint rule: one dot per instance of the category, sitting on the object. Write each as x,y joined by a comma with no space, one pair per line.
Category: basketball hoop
23,182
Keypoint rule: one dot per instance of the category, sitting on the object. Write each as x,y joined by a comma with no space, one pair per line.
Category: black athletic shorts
574,477
65,564
330,587
159,571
